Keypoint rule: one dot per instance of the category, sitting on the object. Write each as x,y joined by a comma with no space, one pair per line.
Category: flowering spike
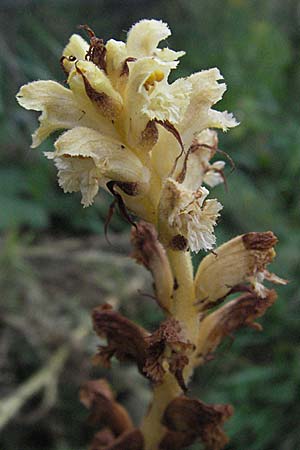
150,143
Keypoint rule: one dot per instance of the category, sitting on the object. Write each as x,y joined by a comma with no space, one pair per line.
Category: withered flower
117,431
166,349
189,420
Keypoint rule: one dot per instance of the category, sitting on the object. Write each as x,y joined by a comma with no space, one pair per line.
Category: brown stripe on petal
108,107
259,241
149,136
125,68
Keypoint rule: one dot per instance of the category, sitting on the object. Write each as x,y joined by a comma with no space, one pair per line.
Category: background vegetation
55,266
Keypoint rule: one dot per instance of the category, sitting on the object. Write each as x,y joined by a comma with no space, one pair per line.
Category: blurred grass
256,45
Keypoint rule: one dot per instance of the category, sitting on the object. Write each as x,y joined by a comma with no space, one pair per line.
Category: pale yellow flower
126,123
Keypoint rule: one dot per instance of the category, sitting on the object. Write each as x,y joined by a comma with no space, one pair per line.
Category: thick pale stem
183,309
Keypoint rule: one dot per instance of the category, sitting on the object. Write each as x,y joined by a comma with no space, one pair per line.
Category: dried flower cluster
150,143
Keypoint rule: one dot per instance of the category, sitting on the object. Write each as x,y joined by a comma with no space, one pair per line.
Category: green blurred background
55,265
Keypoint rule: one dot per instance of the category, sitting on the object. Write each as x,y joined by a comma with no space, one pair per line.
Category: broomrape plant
150,143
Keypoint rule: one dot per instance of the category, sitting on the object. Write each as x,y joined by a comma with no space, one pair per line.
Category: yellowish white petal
144,36
164,153
197,165
116,54
148,96
214,176
116,161
76,49
168,101
167,55
78,174
59,107
206,91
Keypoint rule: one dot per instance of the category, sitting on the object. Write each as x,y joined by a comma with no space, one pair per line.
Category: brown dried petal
224,321
105,411
126,340
195,419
